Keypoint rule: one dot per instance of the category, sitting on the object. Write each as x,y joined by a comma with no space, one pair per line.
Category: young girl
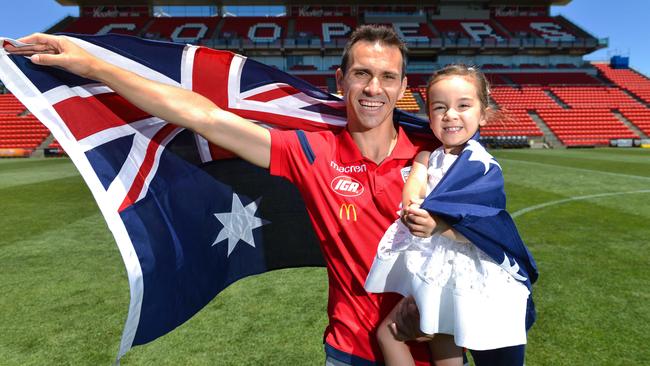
465,298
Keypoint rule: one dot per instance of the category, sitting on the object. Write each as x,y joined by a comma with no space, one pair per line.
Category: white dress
458,289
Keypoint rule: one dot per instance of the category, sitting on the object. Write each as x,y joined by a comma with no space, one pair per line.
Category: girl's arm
419,221
447,231
415,187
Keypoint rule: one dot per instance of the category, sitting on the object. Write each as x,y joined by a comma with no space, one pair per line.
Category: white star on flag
238,224
512,269
478,153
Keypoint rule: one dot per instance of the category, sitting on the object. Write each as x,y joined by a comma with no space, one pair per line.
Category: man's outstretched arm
181,107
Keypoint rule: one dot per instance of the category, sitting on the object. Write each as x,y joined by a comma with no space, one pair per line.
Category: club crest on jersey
405,172
346,186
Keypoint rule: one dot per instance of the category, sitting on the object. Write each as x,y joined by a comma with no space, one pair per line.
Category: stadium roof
305,2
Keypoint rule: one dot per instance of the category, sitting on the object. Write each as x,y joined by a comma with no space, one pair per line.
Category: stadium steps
433,28
629,124
501,28
549,136
217,30
39,151
146,27
605,81
421,102
556,99
291,28
635,97
508,81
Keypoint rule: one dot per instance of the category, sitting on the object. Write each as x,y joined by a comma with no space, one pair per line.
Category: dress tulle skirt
458,289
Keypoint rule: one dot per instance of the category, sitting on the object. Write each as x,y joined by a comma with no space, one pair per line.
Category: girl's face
455,112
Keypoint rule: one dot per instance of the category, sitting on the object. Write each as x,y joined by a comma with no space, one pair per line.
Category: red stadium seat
628,79
575,127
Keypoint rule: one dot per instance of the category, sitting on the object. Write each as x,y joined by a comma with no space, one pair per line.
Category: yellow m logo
349,209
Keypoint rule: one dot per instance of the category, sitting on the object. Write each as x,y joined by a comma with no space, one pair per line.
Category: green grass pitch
585,215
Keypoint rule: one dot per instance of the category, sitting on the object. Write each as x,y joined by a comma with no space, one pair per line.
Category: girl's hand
419,221
59,51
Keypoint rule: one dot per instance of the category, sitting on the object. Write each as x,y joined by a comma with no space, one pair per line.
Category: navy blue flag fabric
471,198
187,221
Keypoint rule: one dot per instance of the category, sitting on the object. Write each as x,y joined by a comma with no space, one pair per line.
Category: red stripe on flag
147,165
210,74
281,92
285,122
218,153
87,116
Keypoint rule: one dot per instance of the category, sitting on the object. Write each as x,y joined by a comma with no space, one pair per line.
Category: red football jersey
351,202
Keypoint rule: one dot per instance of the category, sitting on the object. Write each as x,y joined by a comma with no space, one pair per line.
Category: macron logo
346,186
348,169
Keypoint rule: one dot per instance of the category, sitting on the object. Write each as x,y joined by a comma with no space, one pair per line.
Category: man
351,181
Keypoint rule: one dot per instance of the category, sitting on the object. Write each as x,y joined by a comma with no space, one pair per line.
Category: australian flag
471,198
187,222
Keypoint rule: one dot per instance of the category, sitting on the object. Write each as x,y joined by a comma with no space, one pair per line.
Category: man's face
372,84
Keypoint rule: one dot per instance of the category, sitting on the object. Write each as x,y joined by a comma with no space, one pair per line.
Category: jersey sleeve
293,154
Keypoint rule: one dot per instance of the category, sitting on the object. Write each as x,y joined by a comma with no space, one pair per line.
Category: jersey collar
349,151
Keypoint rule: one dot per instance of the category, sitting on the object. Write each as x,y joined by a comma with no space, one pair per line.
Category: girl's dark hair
472,74
493,114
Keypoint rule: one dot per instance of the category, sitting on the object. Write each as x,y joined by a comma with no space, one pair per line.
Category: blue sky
625,23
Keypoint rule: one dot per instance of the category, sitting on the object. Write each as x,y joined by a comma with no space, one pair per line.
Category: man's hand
419,221
59,51
407,322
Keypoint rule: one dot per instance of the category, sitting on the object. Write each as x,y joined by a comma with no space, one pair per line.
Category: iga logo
346,186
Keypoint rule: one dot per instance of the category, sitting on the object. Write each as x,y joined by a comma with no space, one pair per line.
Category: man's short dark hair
374,33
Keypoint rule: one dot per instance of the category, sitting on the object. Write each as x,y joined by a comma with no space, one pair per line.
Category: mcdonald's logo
350,211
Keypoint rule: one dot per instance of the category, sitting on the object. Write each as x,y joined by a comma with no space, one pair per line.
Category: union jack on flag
187,223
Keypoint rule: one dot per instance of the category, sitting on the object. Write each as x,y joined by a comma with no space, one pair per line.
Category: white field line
577,169
571,199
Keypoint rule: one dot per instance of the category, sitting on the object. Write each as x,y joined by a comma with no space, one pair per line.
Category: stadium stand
585,127
552,78
540,83
408,103
181,29
130,26
476,30
639,116
594,97
514,122
9,105
627,79
524,97
255,29
23,132
326,29
547,28
20,133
